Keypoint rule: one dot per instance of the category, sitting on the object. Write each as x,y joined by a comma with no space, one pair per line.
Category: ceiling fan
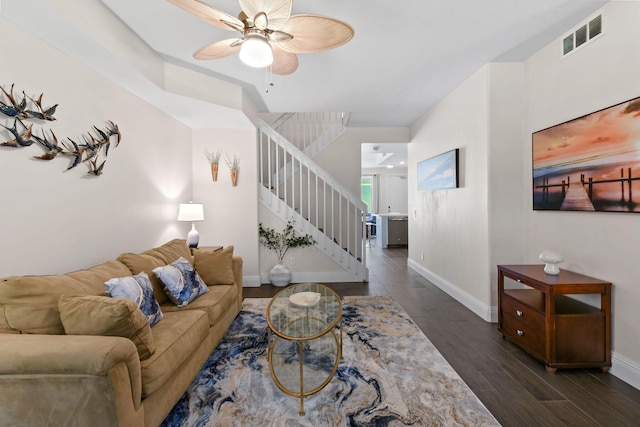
271,36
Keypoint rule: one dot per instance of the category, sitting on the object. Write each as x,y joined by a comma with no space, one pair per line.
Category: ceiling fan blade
277,11
314,33
261,21
218,50
238,26
210,14
283,62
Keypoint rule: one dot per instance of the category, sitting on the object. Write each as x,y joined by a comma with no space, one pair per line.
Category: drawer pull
520,333
519,313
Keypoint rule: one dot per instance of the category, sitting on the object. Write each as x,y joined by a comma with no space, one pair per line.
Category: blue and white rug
390,375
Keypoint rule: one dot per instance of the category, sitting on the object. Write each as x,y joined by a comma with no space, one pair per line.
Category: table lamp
191,212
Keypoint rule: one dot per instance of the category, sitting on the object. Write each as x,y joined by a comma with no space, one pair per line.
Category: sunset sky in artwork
615,130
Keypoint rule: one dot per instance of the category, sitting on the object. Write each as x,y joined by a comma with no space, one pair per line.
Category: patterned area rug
390,375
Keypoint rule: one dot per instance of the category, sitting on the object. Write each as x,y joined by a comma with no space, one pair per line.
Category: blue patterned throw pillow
181,282
138,289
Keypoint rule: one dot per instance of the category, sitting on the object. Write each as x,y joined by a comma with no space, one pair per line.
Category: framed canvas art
591,163
439,172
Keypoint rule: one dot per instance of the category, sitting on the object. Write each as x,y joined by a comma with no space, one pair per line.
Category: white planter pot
280,275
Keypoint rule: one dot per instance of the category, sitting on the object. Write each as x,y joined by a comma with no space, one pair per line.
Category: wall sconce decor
191,212
233,166
214,160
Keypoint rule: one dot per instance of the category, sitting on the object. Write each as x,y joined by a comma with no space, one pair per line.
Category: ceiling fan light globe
256,52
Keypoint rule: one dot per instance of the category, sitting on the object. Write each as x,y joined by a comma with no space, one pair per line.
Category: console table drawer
515,308
526,334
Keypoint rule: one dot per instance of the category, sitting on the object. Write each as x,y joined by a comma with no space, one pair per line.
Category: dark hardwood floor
512,385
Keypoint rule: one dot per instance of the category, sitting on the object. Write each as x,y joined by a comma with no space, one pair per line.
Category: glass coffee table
304,346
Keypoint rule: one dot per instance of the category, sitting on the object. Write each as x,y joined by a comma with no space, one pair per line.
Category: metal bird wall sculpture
19,109
20,139
86,150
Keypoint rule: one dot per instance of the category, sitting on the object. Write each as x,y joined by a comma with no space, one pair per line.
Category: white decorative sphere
551,260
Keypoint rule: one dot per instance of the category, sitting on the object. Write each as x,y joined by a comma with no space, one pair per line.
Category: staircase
292,186
311,132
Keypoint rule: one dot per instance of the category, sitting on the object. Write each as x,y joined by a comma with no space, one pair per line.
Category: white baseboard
251,281
621,367
321,277
625,369
484,311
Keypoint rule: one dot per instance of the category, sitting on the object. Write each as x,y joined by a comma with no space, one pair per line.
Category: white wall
598,244
342,158
507,143
490,219
448,233
480,223
231,213
54,221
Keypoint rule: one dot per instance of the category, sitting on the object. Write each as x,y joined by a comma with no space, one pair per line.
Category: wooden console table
559,331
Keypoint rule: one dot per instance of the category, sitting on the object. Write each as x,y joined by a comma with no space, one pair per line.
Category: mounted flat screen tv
439,172
591,163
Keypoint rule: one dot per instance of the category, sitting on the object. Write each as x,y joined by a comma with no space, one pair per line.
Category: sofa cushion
139,263
181,282
137,289
215,268
156,257
215,302
175,338
30,303
104,316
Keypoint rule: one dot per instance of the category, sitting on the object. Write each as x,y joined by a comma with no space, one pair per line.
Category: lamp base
193,238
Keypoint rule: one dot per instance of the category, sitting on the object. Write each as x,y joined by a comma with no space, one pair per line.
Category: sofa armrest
69,377
237,276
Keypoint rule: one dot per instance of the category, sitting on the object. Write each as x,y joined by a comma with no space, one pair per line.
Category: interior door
397,194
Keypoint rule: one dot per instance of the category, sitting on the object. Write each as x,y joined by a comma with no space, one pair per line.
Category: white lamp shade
191,212
256,52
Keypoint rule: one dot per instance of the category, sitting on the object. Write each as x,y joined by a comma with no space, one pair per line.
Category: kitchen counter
392,229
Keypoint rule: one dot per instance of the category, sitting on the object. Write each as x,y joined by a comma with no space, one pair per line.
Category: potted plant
233,165
214,159
280,242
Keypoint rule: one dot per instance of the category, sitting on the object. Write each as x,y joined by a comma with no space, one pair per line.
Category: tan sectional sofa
49,378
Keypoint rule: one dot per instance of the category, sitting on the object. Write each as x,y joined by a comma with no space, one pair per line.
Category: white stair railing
311,132
292,186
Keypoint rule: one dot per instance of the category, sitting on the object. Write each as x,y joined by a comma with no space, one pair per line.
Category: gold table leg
301,346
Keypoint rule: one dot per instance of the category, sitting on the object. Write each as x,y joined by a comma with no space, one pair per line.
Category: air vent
581,36
595,26
584,34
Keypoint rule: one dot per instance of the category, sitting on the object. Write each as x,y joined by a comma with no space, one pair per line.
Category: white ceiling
405,55
387,155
